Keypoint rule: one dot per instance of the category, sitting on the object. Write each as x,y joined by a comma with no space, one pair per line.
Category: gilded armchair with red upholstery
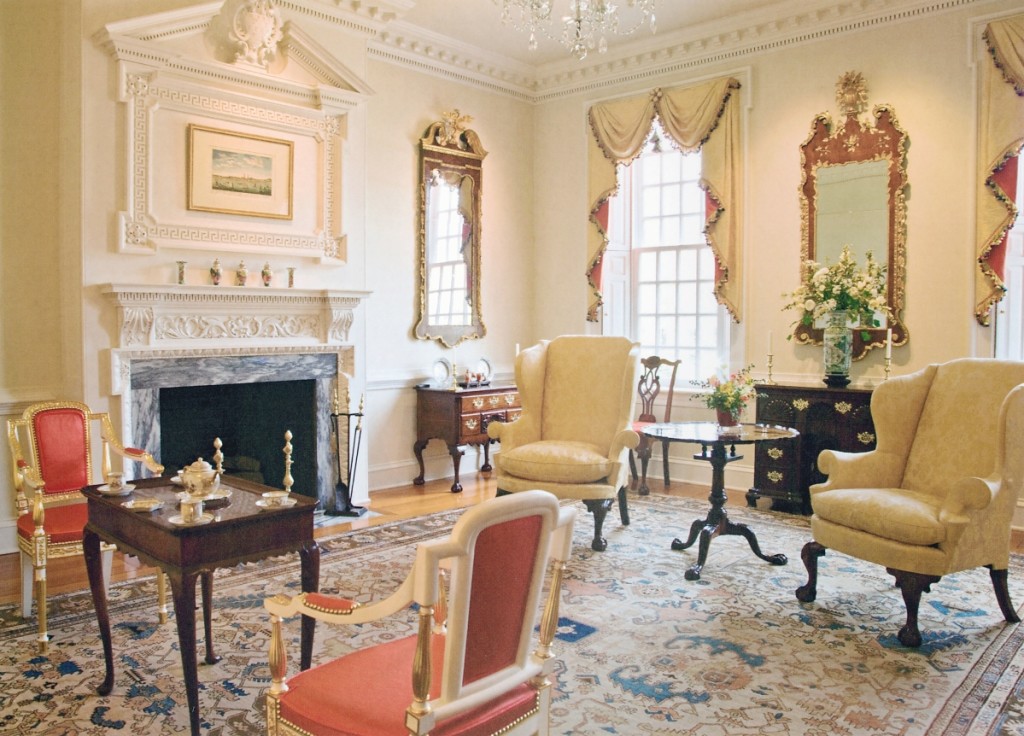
52,460
470,668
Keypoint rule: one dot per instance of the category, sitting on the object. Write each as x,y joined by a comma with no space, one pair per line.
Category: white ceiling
478,23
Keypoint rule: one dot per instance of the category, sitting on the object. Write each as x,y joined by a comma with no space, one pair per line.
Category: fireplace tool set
343,490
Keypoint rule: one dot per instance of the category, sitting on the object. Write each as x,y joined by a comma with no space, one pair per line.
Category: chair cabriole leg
1003,594
912,585
810,554
623,506
599,508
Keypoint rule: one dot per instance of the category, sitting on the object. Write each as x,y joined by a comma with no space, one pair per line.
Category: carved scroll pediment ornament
255,32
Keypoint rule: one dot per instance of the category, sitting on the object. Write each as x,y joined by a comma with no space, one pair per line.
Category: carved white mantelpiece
175,317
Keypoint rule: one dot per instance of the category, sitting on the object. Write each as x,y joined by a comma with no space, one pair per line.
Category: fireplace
241,364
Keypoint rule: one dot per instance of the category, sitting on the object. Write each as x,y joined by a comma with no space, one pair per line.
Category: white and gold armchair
52,460
474,666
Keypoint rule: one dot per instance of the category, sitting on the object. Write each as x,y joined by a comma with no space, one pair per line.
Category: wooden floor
68,574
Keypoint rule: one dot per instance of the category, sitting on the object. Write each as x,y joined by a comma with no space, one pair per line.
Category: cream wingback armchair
573,437
938,492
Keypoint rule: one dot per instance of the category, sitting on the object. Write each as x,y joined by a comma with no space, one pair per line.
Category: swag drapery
1001,136
704,116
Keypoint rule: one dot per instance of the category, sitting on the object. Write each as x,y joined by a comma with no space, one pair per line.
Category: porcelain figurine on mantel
267,274
215,272
242,274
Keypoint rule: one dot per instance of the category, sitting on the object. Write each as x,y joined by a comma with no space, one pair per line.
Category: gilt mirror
450,203
853,192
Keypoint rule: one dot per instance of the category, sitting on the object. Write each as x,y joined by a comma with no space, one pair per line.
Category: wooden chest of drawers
827,418
461,417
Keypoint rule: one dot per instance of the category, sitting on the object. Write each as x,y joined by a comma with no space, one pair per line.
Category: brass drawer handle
866,438
775,476
493,400
478,403
775,453
471,423
843,407
510,399
800,404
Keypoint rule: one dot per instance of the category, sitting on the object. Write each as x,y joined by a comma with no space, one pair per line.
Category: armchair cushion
557,462
377,704
890,513
62,523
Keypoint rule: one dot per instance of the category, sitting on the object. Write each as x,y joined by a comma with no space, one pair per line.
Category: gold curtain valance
702,116
1000,138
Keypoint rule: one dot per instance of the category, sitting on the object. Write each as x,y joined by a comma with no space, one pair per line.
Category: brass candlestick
888,367
771,358
288,480
218,456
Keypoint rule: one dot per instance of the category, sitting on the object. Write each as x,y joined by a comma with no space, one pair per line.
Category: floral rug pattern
642,651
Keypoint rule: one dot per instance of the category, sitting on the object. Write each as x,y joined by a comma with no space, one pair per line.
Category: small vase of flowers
728,394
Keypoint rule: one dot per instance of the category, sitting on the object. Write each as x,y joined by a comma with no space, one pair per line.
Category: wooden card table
717,522
237,530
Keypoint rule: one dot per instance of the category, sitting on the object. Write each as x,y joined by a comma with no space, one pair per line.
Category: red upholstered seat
62,523
366,694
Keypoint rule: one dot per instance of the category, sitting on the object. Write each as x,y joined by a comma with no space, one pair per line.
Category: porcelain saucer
123,491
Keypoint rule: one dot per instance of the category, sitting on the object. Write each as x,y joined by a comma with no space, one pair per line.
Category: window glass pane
691,166
646,299
645,332
687,331
671,164
648,266
707,266
666,299
688,300
670,231
666,330
667,264
693,199
692,230
651,204
651,235
671,199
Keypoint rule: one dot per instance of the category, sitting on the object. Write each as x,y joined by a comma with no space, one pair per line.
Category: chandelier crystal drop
583,26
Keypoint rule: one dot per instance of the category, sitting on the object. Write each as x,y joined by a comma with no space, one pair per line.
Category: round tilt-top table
718,446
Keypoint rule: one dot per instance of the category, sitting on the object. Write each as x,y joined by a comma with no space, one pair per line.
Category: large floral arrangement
729,393
842,287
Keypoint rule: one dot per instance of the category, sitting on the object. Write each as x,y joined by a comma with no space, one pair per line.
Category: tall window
1009,321
663,295
447,295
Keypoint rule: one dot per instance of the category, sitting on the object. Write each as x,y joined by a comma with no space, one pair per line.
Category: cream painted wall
405,104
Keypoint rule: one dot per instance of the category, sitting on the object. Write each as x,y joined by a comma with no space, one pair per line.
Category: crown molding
797,23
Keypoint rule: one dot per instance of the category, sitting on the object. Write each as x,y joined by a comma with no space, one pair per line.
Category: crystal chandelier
586,25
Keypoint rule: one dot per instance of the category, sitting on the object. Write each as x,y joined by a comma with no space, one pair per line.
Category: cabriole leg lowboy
460,417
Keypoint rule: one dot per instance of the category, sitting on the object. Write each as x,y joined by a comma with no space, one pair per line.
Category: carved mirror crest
854,192
450,204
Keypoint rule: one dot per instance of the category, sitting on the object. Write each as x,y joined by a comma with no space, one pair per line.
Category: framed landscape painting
237,173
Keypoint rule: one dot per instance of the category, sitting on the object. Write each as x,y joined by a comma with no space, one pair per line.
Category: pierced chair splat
52,460
648,389
473,667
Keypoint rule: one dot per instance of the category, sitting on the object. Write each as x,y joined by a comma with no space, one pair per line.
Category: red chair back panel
62,449
502,573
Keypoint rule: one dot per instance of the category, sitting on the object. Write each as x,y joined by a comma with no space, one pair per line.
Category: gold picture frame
235,173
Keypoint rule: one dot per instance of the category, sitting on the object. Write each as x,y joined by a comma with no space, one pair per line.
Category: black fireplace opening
251,420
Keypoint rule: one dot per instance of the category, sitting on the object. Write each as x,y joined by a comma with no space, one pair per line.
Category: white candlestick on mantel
888,343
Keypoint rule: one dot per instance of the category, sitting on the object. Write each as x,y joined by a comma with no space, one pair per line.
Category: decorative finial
218,456
453,124
852,94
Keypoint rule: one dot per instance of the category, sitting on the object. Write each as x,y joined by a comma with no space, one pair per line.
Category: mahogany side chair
474,666
648,389
52,460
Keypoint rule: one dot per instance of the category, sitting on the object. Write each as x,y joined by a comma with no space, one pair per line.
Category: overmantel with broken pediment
187,317
201,67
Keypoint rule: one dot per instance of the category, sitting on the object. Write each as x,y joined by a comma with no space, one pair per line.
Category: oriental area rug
641,650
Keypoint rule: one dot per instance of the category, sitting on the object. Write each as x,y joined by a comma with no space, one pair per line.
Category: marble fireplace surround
174,336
